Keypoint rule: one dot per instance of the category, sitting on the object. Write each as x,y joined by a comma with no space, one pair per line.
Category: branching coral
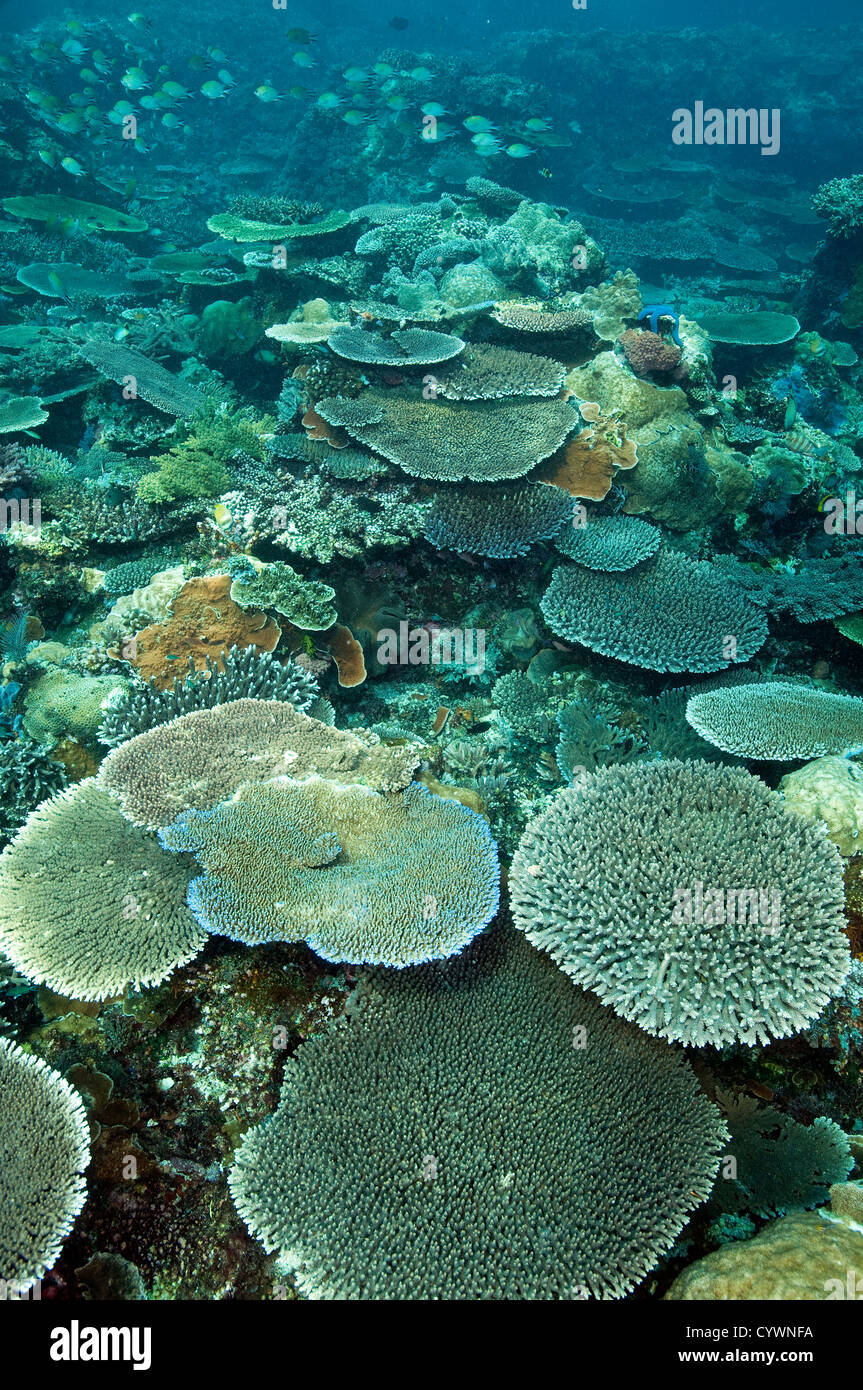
609,542
501,522
777,721
517,1186
721,920
240,675
201,758
46,1148
668,614
88,903
483,441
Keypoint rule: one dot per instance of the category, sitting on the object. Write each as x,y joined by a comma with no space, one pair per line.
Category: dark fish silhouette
398,21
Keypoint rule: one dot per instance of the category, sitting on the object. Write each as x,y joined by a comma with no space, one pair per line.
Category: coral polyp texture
519,1185
609,542
501,522
777,721
671,614
362,877
199,759
242,674
688,899
89,904
447,441
44,1150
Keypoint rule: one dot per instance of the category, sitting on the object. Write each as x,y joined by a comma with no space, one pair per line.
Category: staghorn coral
662,924
777,721
204,621
590,739
501,522
240,674
200,759
88,903
668,614
361,877
484,441
609,542
46,1148
28,775
517,1186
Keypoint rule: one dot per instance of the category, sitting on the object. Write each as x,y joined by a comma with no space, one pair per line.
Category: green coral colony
431,715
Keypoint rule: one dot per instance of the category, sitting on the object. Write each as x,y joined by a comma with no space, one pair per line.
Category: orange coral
348,656
316,427
587,465
204,621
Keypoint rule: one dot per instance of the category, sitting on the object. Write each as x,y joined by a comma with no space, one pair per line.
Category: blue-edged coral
88,903
46,1148
561,1171
362,877
668,614
689,899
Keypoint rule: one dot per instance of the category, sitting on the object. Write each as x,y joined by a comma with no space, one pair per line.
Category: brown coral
204,621
348,656
587,465
649,352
